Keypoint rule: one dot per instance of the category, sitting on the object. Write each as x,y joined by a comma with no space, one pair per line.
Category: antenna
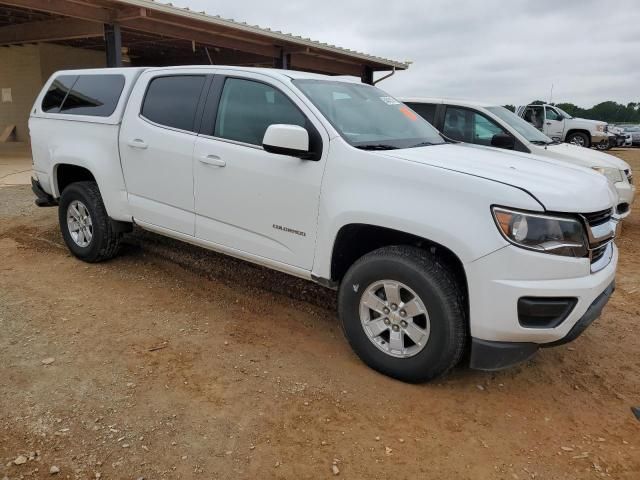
551,95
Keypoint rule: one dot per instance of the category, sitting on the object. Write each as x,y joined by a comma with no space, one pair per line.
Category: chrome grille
598,252
598,218
601,232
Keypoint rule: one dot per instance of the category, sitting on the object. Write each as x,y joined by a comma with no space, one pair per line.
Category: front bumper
599,137
498,280
490,355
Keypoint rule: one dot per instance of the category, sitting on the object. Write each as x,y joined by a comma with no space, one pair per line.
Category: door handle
137,143
213,160
548,123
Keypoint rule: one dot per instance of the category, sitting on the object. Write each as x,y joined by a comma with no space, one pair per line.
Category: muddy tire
403,313
86,228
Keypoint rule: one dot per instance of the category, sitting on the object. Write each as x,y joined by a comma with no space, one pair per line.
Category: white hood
586,156
586,121
559,187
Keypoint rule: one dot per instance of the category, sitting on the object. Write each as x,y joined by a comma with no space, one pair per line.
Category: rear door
247,199
157,138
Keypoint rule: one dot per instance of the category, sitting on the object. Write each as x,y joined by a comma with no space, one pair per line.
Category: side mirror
284,139
502,140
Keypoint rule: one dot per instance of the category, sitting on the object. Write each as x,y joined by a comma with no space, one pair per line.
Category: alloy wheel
394,318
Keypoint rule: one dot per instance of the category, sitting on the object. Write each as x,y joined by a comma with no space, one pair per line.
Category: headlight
600,128
543,233
613,174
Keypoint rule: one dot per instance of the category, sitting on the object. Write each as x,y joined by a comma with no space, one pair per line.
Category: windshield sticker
407,112
390,100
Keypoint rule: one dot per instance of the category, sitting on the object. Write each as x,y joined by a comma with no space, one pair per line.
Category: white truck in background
435,248
491,125
558,125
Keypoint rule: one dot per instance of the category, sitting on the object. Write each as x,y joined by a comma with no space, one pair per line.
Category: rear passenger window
94,95
56,93
247,108
425,110
173,101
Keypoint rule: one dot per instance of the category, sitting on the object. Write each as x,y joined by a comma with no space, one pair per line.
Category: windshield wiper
422,144
377,146
542,142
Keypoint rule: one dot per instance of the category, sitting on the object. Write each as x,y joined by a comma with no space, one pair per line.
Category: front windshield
564,114
368,118
520,125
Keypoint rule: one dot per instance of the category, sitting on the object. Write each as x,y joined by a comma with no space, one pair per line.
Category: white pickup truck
557,124
436,248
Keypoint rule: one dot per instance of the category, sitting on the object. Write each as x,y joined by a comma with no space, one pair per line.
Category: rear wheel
579,138
86,228
403,313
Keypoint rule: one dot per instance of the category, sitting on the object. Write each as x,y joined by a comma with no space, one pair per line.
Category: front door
553,123
247,199
156,147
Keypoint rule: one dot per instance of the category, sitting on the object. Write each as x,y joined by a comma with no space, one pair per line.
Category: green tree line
609,111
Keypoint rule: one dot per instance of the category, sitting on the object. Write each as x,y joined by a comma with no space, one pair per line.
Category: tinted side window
484,129
468,126
56,93
247,108
94,95
173,101
425,110
458,124
552,114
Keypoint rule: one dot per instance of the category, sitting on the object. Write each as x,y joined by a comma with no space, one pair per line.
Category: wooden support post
367,75
113,44
283,61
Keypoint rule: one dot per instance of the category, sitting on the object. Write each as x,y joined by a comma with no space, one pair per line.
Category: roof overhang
144,22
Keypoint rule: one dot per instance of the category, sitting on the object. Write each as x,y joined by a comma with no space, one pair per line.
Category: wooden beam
130,13
64,7
49,31
200,36
308,62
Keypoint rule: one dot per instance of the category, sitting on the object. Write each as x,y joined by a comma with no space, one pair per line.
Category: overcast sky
507,52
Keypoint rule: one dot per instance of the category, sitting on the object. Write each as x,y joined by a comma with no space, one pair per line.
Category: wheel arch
65,174
357,239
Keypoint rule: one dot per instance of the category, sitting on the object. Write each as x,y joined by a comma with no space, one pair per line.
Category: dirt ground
173,362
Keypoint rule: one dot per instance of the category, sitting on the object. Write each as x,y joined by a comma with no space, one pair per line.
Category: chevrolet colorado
435,248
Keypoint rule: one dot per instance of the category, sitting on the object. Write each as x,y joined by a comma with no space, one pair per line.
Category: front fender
443,206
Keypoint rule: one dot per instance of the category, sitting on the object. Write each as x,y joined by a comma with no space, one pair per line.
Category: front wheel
86,228
579,138
403,313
